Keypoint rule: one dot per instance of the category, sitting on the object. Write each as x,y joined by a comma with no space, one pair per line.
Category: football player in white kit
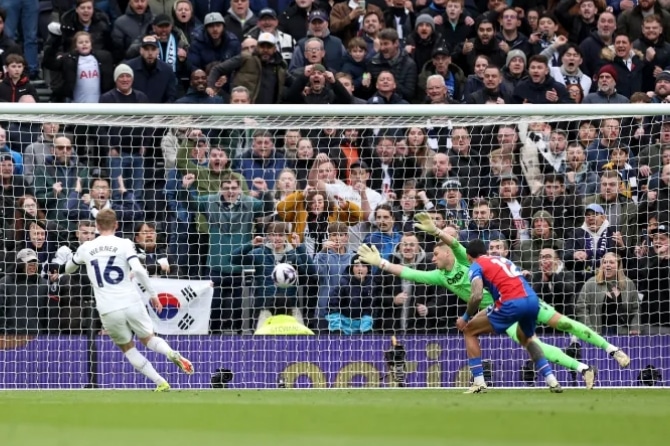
109,261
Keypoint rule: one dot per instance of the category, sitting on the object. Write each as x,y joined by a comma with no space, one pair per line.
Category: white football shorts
121,324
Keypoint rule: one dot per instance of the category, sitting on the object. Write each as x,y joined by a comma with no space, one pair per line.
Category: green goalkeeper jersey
456,280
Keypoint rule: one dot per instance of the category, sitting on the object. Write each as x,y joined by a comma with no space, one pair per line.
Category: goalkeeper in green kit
452,265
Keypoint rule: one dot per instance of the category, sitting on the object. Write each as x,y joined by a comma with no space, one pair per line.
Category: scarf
595,244
571,79
317,229
170,54
94,211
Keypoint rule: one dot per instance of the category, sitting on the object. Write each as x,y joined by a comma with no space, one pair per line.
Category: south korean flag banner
186,306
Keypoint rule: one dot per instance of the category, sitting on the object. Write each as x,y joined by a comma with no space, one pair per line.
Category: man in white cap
267,23
124,92
265,85
212,43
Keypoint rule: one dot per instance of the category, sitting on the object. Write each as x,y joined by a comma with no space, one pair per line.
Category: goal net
213,198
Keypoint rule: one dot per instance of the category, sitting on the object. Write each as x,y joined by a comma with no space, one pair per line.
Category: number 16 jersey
107,260
501,277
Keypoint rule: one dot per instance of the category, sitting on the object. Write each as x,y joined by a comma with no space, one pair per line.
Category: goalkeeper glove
425,223
369,254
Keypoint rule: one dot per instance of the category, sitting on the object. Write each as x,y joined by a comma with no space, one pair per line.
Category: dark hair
476,248
554,178
569,46
384,207
539,58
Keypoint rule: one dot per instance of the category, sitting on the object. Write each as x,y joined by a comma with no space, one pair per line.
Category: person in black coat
540,87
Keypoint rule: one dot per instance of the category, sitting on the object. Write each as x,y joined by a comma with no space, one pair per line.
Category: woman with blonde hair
608,303
310,211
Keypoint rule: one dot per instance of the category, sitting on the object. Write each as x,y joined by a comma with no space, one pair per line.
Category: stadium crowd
581,207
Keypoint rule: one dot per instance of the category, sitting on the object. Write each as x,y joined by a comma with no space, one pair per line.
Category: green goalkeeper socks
583,332
552,353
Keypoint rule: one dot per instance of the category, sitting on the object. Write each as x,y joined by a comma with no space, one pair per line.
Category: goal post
575,195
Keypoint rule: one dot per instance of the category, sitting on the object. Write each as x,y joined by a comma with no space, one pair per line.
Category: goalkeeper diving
452,265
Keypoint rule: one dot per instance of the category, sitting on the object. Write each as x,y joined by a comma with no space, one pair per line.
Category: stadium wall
306,362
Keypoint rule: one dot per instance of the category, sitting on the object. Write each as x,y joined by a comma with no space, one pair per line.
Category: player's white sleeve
141,275
73,263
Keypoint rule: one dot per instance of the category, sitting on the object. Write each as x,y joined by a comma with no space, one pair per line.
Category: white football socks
142,365
159,346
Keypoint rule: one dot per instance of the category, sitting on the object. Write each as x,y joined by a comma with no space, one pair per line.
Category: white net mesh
212,202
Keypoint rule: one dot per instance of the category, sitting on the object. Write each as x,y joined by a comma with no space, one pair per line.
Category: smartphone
361,4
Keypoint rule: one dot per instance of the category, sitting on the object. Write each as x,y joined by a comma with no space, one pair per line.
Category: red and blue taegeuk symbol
170,306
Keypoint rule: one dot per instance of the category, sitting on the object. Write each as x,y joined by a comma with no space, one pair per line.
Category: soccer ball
284,275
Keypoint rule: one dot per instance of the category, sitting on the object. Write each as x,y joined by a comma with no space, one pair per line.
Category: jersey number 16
112,274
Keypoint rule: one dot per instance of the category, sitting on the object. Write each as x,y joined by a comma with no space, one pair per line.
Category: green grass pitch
334,418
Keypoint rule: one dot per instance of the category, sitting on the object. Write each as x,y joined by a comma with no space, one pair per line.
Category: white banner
186,306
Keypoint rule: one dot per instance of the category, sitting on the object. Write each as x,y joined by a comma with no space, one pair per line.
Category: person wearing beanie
421,43
123,91
662,87
514,70
607,93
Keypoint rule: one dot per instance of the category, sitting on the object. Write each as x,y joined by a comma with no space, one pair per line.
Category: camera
649,376
221,378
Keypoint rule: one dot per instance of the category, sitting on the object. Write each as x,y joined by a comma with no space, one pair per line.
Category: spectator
465,53
608,303
440,63
565,208
154,256
331,261
392,58
294,19
346,19
579,25
355,61
509,36
598,153
350,310
267,23
83,17
630,22
554,285
197,92
653,278
27,14
627,173
507,208
404,306
593,45
25,298
333,48
481,225
607,93
212,43
457,27
514,70
17,158
7,43
126,145
85,206
387,236
231,217
151,75
652,37
569,72
15,84
310,213
540,88
12,186
262,72
628,64
581,180
262,254
424,40
240,19
86,72
130,26
387,91
57,178
542,236
184,19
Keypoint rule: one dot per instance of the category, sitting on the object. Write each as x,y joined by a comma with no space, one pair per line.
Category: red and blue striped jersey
501,277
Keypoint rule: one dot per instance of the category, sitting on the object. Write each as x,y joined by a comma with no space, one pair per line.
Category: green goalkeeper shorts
543,317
